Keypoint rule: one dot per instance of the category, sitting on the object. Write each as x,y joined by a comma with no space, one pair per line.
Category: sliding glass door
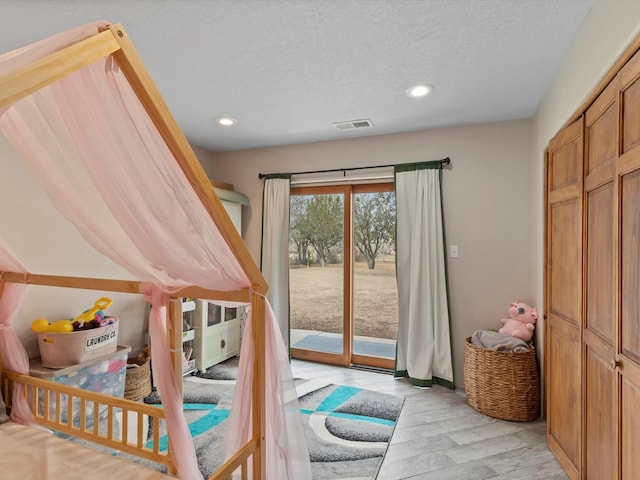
342,274
317,277
375,294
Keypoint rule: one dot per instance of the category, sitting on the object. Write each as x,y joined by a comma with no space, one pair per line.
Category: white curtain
423,353
275,247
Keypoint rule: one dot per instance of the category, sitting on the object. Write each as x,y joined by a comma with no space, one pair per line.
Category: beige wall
487,197
605,33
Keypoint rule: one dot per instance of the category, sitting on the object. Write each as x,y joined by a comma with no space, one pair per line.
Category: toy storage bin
502,384
61,350
105,374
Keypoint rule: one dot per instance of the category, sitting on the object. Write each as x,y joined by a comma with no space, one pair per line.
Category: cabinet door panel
600,412
231,337
564,171
566,259
601,132
630,424
629,78
212,350
563,395
600,272
630,265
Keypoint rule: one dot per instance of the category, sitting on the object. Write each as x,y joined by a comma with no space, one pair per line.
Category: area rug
347,429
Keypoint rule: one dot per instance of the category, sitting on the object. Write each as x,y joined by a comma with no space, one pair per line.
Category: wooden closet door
600,287
564,297
628,351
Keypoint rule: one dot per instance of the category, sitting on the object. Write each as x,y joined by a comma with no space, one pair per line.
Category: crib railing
115,423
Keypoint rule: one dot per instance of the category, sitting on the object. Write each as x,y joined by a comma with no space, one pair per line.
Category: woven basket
138,379
500,384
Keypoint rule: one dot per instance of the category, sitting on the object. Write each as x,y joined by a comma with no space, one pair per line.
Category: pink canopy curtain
90,144
167,385
14,357
288,456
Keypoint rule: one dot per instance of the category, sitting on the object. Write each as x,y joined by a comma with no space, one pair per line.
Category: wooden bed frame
115,42
77,412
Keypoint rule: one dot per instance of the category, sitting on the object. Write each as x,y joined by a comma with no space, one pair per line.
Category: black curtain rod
444,161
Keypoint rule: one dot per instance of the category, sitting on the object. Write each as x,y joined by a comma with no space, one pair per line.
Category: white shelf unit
217,333
188,336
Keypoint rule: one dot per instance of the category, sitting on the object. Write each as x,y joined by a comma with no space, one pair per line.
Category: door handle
615,363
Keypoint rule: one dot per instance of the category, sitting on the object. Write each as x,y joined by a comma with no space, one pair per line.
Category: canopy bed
93,130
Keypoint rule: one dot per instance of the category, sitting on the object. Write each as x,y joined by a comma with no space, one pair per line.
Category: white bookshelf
217,333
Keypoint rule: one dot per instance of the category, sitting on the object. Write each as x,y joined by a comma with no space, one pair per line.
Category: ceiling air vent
353,124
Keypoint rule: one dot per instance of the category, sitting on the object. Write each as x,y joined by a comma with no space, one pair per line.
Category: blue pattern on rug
201,425
337,398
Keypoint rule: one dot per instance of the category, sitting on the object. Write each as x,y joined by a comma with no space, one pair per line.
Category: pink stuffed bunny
521,323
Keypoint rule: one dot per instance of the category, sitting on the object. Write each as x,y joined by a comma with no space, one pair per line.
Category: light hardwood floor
439,437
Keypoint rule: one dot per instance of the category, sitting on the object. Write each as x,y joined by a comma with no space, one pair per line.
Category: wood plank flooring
439,437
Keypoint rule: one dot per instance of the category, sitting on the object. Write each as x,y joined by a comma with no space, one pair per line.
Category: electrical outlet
453,251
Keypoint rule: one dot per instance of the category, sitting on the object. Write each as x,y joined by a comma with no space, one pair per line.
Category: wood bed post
175,338
259,385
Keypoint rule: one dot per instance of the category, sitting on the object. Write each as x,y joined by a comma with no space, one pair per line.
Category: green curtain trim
424,383
262,229
446,279
411,167
268,176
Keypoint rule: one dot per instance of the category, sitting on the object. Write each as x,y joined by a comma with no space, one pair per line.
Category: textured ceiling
288,69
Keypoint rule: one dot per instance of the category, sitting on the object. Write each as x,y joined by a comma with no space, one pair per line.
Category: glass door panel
375,294
316,274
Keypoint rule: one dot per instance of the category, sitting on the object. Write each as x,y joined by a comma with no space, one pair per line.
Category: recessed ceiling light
419,90
226,121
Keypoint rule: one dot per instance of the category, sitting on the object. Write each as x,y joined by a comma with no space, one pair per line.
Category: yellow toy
61,326
41,325
88,315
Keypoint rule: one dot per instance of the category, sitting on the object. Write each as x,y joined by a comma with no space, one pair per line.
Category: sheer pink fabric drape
90,144
14,357
167,385
288,456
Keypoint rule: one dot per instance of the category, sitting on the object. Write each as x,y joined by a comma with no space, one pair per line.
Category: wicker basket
502,384
138,380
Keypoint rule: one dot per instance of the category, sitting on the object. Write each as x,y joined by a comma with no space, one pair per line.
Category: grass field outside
317,304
